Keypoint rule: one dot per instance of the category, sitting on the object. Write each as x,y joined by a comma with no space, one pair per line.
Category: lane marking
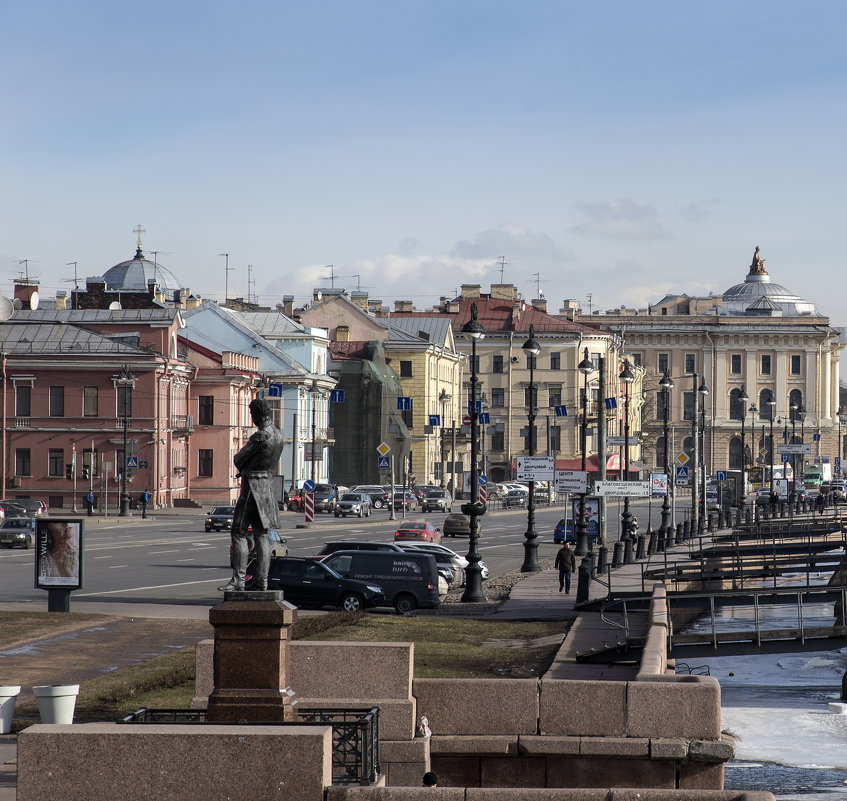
152,587
115,567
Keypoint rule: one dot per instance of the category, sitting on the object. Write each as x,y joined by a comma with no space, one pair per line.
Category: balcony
182,424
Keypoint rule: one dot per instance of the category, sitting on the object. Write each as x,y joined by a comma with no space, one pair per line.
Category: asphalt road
172,560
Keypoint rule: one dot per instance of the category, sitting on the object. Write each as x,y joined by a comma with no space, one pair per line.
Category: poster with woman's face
58,548
592,515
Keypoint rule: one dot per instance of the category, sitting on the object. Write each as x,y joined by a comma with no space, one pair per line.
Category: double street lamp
626,377
585,367
530,560
126,381
742,399
667,385
473,572
771,411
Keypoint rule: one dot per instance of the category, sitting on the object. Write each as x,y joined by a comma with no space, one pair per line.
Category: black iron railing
355,735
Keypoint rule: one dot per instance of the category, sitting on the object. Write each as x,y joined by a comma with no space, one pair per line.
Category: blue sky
619,149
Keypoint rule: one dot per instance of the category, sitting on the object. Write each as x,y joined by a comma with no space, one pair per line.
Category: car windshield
223,510
414,526
17,522
323,488
350,496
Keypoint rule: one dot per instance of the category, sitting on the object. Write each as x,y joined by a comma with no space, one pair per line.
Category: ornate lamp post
772,406
585,367
702,391
530,546
743,398
473,572
626,377
841,415
667,385
126,381
443,399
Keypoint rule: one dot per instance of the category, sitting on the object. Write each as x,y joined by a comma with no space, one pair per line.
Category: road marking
185,560
115,567
175,550
104,557
152,587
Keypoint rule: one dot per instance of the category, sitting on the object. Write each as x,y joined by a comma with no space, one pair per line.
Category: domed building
138,273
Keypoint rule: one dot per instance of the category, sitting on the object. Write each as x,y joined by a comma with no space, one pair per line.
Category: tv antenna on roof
156,254
538,282
331,277
25,273
588,295
226,284
502,262
250,281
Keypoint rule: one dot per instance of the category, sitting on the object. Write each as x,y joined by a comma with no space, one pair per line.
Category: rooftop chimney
504,291
403,306
470,290
360,299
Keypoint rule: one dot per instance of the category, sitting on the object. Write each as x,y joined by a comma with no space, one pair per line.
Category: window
664,363
735,458
23,464
206,410
204,462
660,453
690,362
530,396
556,361
735,364
637,359
124,401
555,438
660,405
531,361
57,401
23,396
473,363
795,399
497,364
595,360
530,444
498,397
89,402
688,407
554,396
498,440
765,411
406,414
795,364
736,405
406,369
766,364
55,464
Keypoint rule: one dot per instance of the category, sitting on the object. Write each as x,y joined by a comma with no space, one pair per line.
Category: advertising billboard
58,553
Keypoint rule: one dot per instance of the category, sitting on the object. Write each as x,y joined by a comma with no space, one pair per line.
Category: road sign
142,465
786,457
274,390
682,474
382,463
683,459
435,419
836,469
404,404
658,484
720,475
466,420
483,480
561,411
484,418
536,468
621,441
622,489
336,396
611,403
793,448
383,449
309,485
571,481
816,437
132,463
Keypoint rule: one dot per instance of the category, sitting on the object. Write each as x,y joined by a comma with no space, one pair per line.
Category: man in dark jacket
566,562
256,463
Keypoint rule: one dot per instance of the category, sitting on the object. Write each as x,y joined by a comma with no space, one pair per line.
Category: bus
760,475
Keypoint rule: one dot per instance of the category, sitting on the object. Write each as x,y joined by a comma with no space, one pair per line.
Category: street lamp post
703,391
626,377
743,398
585,367
126,380
530,560
473,572
444,399
771,407
667,385
313,393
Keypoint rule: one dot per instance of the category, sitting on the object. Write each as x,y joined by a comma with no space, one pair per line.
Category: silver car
353,503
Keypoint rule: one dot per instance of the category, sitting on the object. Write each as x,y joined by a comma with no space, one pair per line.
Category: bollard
748,516
592,563
602,559
686,531
711,525
617,554
701,526
782,511
583,581
652,543
628,550
641,548
738,517
680,533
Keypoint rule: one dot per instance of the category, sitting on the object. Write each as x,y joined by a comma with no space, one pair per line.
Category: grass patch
19,627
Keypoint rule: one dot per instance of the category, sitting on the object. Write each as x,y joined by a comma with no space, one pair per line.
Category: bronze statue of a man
256,463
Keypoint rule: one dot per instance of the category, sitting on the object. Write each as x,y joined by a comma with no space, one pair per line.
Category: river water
777,706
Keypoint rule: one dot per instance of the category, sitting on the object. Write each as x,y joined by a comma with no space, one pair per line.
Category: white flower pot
56,702
8,696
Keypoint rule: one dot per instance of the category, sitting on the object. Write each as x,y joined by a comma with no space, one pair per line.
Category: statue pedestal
251,663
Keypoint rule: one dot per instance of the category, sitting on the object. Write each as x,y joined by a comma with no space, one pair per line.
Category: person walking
145,499
89,502
566,562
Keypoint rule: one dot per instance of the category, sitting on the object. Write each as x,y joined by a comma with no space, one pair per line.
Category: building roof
160,316
272,324
135,274
431,329
50,339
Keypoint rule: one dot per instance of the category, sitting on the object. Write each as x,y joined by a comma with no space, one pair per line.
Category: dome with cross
137,273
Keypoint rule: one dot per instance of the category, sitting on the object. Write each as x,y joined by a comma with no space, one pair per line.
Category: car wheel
352,602
404,603
208,528
28,542
336,514
377,504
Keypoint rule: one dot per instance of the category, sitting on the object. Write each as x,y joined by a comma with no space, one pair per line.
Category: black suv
354,545
312,585
380,496
326,497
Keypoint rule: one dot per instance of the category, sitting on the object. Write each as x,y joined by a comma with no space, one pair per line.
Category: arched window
766,412
736,405
735,457
795,399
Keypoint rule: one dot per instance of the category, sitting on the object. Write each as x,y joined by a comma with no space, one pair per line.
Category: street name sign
621,441
794,447
571,481
622,489
536,468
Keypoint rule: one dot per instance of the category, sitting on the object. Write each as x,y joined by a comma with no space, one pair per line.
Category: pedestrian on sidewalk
89,502
566,562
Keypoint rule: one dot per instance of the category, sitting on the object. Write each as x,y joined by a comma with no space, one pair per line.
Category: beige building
757,339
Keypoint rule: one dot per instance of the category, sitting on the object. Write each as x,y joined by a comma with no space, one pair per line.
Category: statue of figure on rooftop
758,265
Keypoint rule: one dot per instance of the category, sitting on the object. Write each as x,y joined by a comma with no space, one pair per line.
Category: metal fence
355,735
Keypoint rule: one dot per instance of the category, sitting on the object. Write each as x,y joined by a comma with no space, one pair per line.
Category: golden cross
139,230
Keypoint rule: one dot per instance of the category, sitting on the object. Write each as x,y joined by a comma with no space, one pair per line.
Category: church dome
758,286
137,272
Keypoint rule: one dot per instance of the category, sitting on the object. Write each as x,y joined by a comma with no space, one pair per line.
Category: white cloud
620,220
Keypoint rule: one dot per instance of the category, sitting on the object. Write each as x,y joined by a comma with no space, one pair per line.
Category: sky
606,151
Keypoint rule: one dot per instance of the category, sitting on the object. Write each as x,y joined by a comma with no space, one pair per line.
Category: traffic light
69,472
85,473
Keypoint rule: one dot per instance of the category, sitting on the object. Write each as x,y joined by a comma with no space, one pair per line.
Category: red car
418,531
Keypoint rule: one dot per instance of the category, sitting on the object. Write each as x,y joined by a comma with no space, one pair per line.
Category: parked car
497,491
409,580
442,551
437,501
355,545
418,531
312,585
456,525
379,496
32,506
326,497
448,567
220,518
277,543
11,509
565,530
516,497
353,503
838,489
295,502
17,531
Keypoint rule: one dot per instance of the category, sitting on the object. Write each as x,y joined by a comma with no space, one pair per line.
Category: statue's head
260,410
